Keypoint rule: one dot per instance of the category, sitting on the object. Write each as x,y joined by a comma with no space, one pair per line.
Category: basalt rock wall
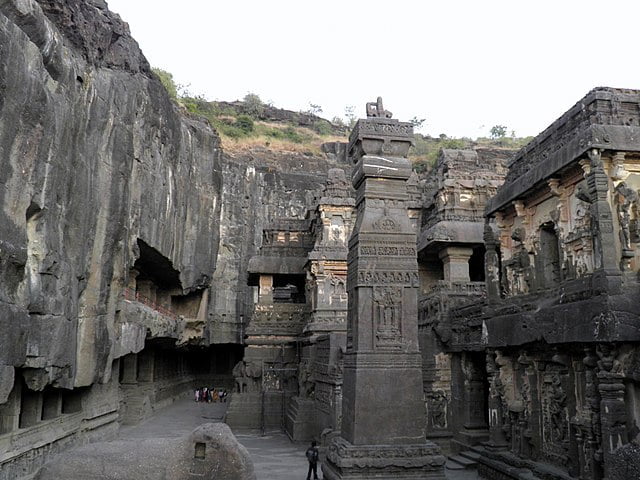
93,157
258,188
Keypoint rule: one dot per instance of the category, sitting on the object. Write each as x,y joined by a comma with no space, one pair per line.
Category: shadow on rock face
210,451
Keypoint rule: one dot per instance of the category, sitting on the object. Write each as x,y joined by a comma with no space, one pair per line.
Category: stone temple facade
139,261
527,308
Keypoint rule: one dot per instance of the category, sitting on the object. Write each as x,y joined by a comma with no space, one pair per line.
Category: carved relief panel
555,417
387,317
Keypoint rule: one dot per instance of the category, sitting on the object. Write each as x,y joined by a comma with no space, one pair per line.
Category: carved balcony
278,319
140,318
443,296
440,309
585,309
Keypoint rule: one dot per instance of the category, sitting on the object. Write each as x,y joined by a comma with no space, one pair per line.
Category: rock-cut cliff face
95,161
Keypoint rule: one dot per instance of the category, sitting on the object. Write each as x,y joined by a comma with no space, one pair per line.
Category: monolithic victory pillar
383,422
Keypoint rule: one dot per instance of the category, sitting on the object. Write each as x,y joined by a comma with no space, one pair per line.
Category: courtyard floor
274,456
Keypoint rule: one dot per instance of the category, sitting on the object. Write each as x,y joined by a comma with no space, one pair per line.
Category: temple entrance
549,265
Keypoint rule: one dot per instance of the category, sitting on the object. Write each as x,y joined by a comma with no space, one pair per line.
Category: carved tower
383,427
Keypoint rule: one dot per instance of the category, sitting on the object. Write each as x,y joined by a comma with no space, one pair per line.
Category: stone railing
133,296
450,214
278,319
443,296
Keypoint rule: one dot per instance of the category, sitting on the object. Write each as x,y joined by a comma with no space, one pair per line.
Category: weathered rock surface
94,156
626,462
257,189
210,451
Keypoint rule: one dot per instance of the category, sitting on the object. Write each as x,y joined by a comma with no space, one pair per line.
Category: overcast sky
463,65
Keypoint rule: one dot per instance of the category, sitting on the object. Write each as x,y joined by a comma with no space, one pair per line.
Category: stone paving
274,456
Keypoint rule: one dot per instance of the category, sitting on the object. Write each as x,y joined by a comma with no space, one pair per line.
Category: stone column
613,411
474,405
604,246
496,405
266,289
455,263
130,368
146,363
491,264
51,404
30,408
10,408
383,412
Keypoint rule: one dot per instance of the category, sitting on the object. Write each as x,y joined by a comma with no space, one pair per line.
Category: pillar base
383,462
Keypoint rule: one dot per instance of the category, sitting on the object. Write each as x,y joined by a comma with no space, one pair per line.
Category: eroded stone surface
210,451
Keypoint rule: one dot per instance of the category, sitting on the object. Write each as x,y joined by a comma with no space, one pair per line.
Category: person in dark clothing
312,457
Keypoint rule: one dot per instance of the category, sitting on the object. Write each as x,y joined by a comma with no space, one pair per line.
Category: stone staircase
465,460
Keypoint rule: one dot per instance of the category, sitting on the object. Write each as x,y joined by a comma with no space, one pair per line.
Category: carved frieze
387,277
387,250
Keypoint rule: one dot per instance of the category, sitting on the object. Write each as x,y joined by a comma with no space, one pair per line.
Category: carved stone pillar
497,438
455,263
266,289
589,436
491,264
613,414
605,255
474,405
380,438
130,368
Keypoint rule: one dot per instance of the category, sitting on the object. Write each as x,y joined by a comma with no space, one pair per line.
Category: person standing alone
312,458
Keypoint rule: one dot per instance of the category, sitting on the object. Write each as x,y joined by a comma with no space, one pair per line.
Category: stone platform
347,461
274,456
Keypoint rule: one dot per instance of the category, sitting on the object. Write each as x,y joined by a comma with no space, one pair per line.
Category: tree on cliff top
498,131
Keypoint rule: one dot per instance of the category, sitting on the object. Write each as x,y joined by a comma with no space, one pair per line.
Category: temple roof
606,118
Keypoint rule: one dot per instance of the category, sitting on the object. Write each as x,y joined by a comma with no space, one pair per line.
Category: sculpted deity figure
557,401
626,198
306,385
437,407
519,272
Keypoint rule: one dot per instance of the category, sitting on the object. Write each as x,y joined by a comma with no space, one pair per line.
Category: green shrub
244,123
253,105
167,81
323,128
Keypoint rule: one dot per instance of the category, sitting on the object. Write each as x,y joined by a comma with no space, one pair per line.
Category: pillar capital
455,263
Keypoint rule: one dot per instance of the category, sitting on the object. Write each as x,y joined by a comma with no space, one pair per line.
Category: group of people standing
209,395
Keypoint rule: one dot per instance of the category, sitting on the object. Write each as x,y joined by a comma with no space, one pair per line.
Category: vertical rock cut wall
93,156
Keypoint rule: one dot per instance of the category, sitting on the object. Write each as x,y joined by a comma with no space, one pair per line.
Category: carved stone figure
338,286
376,109
254,374
437,408
626,197
557,402
608,362
519,266
240,376
306,385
